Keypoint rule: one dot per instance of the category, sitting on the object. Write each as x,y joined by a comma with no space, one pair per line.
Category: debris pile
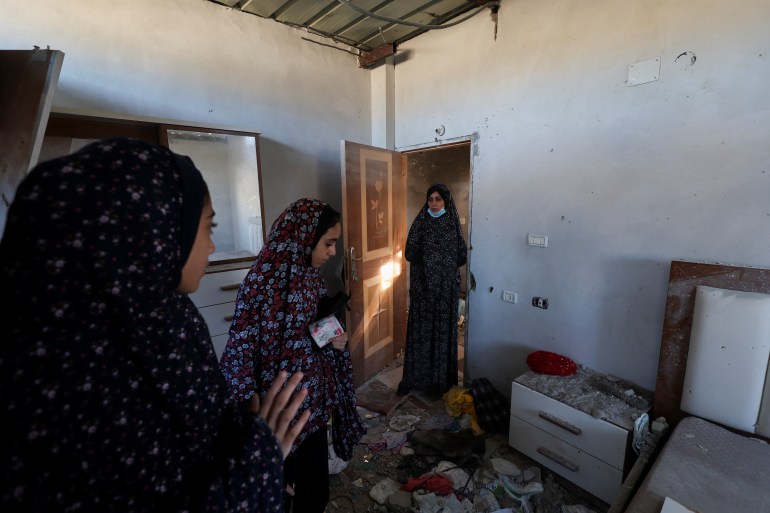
600,395
421,458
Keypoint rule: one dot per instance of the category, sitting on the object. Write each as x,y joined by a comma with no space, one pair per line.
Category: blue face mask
437,214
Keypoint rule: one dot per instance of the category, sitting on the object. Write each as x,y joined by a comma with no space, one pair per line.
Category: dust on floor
413,442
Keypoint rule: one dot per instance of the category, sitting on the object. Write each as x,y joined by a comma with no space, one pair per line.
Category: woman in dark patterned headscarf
277,301
436,250
111,395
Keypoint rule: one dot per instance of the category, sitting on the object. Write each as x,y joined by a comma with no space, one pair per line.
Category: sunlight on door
391,270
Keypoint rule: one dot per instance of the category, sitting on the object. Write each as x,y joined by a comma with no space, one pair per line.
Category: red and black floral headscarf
277,301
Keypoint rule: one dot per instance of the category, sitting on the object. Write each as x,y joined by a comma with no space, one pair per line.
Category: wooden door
28,81
374,233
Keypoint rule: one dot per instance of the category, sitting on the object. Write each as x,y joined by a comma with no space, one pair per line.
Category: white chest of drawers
590,452
215,299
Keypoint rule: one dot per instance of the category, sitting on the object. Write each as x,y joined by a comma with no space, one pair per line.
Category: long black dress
110,393
436,250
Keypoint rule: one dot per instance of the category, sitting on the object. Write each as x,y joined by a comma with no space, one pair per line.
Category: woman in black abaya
436,250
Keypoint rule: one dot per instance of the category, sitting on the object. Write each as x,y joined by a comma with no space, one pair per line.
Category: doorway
449,164
382,191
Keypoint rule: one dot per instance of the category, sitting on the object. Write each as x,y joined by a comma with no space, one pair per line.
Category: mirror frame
79,126
163,130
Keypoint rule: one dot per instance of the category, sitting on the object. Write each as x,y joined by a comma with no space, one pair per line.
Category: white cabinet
588,451
215,299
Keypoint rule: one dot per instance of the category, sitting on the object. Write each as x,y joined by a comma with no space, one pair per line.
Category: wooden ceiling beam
370,58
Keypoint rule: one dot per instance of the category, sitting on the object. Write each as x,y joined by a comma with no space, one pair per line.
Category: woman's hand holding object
340,341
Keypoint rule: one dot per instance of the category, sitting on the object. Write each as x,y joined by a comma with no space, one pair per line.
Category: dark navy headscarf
110,391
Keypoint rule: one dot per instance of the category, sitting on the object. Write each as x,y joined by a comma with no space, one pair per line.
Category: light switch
539,241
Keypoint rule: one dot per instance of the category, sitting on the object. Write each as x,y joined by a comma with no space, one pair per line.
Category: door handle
353,269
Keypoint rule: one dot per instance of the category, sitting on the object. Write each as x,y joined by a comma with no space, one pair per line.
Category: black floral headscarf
435,247
108,378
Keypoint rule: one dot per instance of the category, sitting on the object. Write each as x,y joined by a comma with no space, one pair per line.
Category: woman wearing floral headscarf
276,303
110,393
436,250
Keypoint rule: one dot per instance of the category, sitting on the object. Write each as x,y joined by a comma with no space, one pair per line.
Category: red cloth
433,482
545,362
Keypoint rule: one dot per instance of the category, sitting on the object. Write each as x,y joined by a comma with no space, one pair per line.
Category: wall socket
509,297
540,302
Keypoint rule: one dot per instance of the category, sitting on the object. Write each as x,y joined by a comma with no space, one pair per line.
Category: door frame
439,144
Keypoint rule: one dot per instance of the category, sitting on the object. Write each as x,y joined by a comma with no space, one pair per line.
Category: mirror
229,162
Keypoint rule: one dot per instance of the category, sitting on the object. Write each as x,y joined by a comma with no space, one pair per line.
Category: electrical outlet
540,302
509,297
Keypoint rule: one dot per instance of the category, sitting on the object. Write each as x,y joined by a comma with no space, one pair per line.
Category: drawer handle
561,423
561,460
228,318
234,286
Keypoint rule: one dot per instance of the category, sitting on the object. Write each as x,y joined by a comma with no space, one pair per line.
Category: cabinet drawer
218,288
602,439
218,317
589,473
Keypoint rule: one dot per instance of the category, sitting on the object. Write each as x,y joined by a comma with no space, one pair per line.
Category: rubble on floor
419,458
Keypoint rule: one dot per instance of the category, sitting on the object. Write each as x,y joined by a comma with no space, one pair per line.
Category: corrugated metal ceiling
374,28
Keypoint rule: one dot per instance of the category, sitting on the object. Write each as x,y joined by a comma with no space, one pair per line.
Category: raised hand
279,408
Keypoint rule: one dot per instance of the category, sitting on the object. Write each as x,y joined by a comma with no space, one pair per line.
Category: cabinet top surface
599,395
229,260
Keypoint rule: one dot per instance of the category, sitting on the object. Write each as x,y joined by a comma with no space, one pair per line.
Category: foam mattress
708,469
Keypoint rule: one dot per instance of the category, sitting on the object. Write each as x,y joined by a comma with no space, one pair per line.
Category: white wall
200,63
621,179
